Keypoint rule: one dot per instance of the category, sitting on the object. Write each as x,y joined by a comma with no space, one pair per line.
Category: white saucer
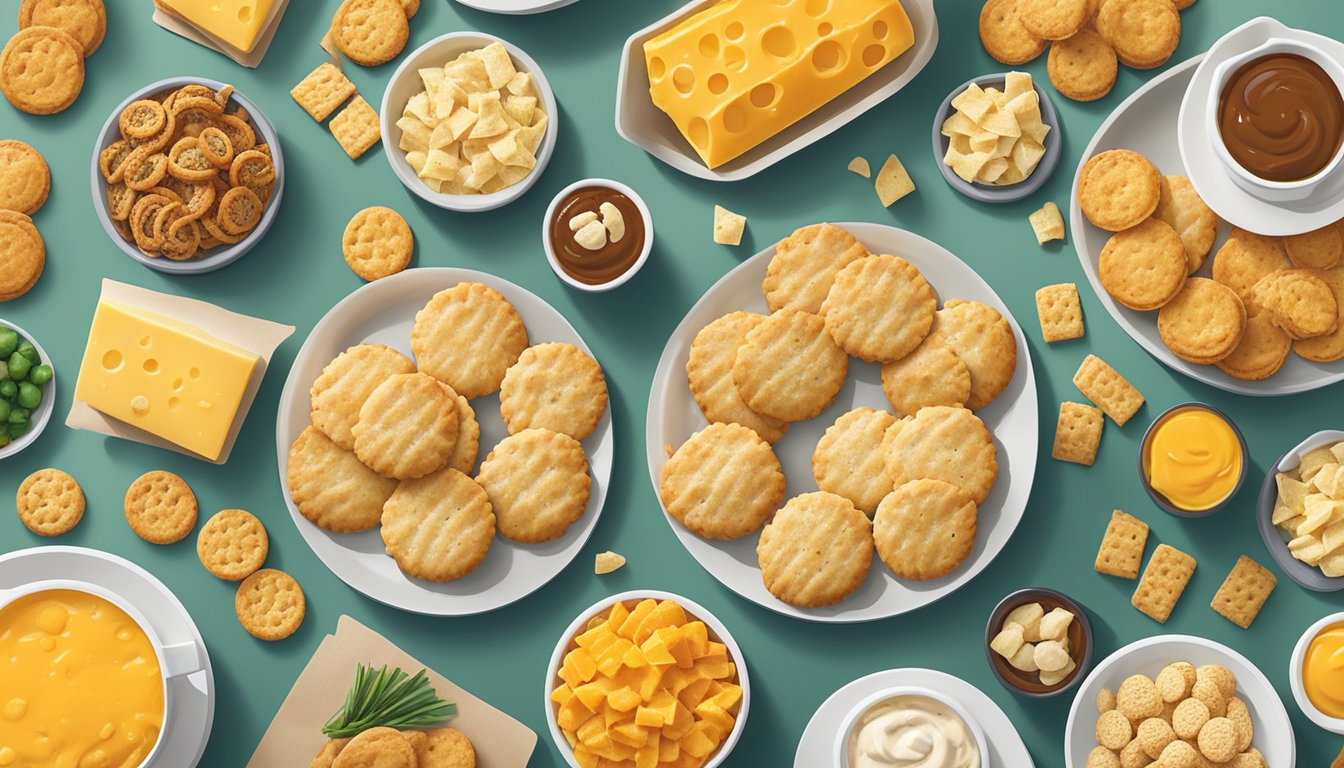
516,7
1207,173
816,747
194,694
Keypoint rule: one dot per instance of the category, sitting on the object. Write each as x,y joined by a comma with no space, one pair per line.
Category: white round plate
193,694
817,746
382,312
673,417
1146,123
516,7
1273,731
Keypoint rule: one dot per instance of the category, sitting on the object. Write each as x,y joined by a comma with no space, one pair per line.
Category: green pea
41,374
29,395
27,349
18,414
9,341
8,389
16,430
19,367
4,410
4,438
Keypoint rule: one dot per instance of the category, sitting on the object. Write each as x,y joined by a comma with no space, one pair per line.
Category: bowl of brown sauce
1277,117
597,234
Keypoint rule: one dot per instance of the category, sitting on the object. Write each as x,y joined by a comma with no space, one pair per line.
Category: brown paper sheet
295,735
260,337
250,59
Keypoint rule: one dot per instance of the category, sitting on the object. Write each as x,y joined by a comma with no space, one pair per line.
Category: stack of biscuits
907,482
1264,297
393,441
42,65
392,748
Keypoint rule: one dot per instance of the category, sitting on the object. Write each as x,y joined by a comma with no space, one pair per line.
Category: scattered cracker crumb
1047,223
893,182
860,166
606,562
728,226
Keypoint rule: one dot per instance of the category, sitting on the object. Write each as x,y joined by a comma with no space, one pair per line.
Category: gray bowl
1305,575
222,255
1159,499
1049,599
990,193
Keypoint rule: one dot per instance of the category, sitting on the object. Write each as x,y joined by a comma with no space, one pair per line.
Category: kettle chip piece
893,182
607,562
1047,223
728,226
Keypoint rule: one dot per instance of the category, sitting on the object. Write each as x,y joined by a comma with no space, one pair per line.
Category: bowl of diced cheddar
646,679
468,122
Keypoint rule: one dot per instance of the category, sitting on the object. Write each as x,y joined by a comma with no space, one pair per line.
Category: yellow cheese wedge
236,22
165,377
740,71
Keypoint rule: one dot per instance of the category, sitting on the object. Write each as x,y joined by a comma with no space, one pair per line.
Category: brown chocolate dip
1281,117
613,259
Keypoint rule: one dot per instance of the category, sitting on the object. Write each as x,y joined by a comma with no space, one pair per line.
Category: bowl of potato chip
1300,511
645,676
468,122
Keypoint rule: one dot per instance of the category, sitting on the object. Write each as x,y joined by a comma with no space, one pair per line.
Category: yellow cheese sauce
1193,459
82,686
1323,670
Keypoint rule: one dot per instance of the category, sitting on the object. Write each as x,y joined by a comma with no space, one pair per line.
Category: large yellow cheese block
236,22
740,71
165,377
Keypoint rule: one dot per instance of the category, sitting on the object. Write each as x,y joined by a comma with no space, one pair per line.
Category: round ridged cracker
370,32
1318,249
1203,323
49,502
1330,347
816,550
270,605
848,460
1003,35
1181,207
722,483
554,386
41,70
1299,301
931,375
160,507
1118,189
377,748
1261,352
789,367
1144,32
1245,258
233,544
407,427
445,748
25,179
467,336
346,382
23,255
925,529
805,264
978,334
468,443
1053,19
438,527
944,443
709,371
1083,66
1143,267
83,20
377,243
331,487
879,308
538,484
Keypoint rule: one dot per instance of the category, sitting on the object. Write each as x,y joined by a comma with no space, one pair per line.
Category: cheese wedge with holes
236,22
165,377
741,71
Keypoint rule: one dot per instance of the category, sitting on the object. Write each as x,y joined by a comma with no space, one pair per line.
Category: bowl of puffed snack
187,175
468,122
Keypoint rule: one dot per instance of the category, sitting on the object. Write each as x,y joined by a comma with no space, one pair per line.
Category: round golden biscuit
1101,757
1329,347
270,604
1299,301
1318,249
816,551
805,264
1185,211
160,507
1133,756
944,443
1251,758
327,754
931,375
879,308
232,545
554,386
370,32
331,487
1172,683
377,243
1207,692
1105,700
1113,730
709,371
1204,323
1261,352
468,443
407,427
849,461
49,502
1118,189
979,335
1003,35
377,747
1189,716
445,748
1245,258
1217,740
1053,19
1082,66
467,336
789,367
23,255
41,70
1240,716
925,529
1143,267
1153,735
1179,754
722,483
411,7
538,484
1137,698
438,527
1221,677
1144,32
83,20
346,382
25,179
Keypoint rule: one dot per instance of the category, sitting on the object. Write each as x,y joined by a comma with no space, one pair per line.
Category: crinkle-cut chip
490,121
728,226
860,166
468,71
606,562
1337,450
532,135
1047,223
893,182
1332,565
974,102
1308,549
1029,618
1282,514
1312,462
1330,480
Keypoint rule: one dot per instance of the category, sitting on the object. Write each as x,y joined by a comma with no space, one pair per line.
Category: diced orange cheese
740,71
680,648
609,661
630,733
647,756
648,687
694,693
647,716
680,723
573,714
728,698
583,663
696,742
717,669
632,622
561,694
584,758
592,733
592,695
656,651
667,614
623,699
697,634
668,749
613,716
635,658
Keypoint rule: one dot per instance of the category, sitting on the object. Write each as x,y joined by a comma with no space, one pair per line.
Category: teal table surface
297,274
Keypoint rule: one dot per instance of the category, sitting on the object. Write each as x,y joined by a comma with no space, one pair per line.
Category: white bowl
1331,724
1265,189
625,276
717,631
842,736
38,419
405,83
